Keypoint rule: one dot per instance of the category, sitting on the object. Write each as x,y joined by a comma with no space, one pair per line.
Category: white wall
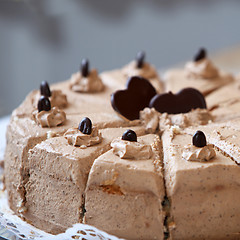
46,39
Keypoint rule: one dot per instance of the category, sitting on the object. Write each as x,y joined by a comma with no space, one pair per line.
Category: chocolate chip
137,95
85,126
199,139
44,89
140,59
182,102
44,104
129,135
201,54
85,67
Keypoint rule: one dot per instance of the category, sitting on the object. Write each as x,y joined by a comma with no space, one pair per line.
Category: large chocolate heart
181,102
137,95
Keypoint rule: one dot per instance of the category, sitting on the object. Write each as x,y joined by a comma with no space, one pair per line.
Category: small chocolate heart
182,102
139,91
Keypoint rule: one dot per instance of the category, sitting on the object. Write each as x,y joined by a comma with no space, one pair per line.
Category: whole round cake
130,154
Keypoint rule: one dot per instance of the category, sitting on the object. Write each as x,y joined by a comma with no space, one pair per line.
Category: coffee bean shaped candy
85,126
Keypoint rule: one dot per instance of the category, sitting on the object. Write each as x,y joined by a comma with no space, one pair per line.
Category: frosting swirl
146,71
150,119
201,69
58,99
51,118
91,83
192,153
79,139
131,150
153,120
195,117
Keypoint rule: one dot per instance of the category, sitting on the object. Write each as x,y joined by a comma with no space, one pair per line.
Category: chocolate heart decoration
139,91
181,102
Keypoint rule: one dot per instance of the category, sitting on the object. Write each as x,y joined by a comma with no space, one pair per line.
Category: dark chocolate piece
44,89
140,59
85,126
199,139
182,102
129,135
85,67
44,104
137,95
201,54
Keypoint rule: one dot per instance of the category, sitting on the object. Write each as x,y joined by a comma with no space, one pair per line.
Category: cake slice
224,103
125,190
199,73
202,185
224,136
57,176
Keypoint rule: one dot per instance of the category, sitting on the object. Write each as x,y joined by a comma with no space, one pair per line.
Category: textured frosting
51,118
201,69
150,119
177,79
225,102
58,99
77,138
91,83
183,120
146,71
130,189
153,119
131,150
192,153
225,136
202,194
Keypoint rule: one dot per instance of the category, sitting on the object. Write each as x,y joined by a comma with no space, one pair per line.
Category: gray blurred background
46,39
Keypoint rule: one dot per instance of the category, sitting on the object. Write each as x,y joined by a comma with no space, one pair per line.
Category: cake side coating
124,196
